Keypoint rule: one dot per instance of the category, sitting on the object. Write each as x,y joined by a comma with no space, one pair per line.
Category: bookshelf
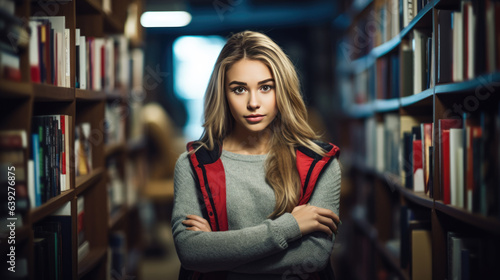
426,63
22,98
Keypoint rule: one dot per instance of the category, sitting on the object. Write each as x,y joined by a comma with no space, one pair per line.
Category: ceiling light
165,19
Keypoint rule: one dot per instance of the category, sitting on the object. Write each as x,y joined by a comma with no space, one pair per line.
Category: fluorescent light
165,19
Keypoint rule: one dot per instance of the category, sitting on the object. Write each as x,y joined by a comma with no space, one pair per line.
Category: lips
254,118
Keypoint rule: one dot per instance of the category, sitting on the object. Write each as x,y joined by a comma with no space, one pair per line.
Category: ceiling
220,15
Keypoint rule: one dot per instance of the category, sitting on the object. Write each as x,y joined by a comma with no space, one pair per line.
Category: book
444,126
421,249
456,167
83,149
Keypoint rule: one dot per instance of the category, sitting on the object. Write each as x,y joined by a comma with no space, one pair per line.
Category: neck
248,143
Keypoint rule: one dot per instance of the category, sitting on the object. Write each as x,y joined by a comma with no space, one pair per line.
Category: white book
34,48
96,60
124,63
471,41
407,12
31,183
77,55
110,64
418,58
83,250
456,167
60,60
83,62
370,142
380,151
66,52
458,47
490,36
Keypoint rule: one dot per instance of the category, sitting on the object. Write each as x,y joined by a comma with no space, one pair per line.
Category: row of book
52,247
102,63
468,256
468,40
50,154
468,161
49,51
396,74
385,19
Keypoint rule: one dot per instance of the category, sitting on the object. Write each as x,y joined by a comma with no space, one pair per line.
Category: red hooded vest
209,171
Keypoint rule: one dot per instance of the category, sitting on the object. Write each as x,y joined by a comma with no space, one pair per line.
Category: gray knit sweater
254,247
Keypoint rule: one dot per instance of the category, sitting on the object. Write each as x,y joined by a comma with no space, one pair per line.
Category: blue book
36,161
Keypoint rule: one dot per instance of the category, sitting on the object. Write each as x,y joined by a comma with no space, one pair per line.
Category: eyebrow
244,84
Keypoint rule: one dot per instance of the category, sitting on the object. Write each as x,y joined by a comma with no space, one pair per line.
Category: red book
444,161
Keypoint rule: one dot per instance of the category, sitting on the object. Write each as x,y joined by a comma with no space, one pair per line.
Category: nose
253,101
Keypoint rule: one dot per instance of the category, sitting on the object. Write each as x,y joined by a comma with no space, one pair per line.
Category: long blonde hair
290,127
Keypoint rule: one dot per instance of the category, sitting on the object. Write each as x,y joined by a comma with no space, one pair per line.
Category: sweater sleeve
311,252
216,251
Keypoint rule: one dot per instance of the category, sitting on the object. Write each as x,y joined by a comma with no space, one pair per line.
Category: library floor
165,265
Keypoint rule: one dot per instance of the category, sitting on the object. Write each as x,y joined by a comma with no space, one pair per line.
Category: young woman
256,197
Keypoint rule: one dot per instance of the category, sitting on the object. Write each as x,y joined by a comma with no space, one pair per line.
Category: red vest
211,180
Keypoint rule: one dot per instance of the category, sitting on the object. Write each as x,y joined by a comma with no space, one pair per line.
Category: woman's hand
312,218
197,223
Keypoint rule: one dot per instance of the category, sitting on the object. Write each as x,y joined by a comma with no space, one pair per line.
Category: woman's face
251,95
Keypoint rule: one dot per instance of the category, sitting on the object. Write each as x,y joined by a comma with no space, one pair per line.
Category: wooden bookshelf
21,101
15,90
380,191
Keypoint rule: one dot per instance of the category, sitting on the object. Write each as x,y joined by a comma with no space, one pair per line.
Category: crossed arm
274,246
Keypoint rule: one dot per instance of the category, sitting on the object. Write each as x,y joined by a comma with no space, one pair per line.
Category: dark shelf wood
51,206
89,95
488,224
112,25
417,197
369,231
112,149
386,47
421,98
85,181
116,217
386,105
15,90
94,257
50,93
392,261
488,82
88,7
